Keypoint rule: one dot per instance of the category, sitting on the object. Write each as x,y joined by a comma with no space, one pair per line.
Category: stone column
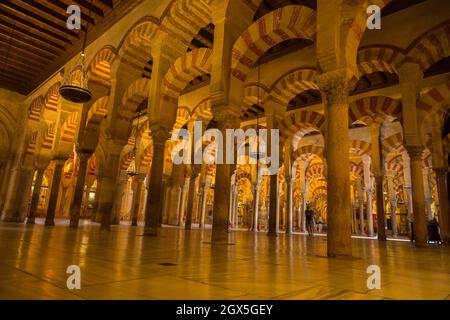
410,76
56,182
204,192
304,194
335,87
407,185
154,197
225,120
361,215
290,195
191,195
427,194
110,192
273,119
378,174
393,204
256,206
137,191
36,194
369,193
121,189
182,208
75,209
97,212
440,168
444,212
418,199
392,201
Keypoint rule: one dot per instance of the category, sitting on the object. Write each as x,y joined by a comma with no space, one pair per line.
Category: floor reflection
178,264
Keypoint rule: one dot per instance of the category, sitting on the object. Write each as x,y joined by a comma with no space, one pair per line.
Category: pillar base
272,234
105,228
134,223
13,219
49,223
31,220
220,237
73,224
150,231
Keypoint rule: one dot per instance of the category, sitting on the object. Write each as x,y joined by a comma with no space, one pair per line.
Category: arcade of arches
362,116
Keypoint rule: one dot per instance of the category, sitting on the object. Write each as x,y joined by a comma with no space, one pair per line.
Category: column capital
415,152
160,136
226,118
410,72
336,84
83,156
440,171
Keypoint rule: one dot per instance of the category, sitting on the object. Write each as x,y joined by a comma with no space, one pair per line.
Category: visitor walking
319,224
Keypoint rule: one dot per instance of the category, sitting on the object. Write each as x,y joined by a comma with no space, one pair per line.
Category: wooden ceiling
35,41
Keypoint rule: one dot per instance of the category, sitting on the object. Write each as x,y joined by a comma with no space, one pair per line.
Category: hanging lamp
73,91
132,170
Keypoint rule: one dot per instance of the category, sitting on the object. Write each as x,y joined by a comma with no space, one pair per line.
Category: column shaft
75,209
56,182
36,195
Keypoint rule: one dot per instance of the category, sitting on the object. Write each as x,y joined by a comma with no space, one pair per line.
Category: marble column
204,203
154,197
56,182
120,194
407,185
75,208
335,87
410,76
427,192
304,202
418,198
369,193
97,211
36,194
289,208
393,205
361,216
256,206
440,168
191,197
222,188
392,201
182,209
444,212
138,182
378,174
110,192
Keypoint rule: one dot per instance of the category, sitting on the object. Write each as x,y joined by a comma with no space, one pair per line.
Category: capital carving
415,152
160,136
225,119
440,172
336,85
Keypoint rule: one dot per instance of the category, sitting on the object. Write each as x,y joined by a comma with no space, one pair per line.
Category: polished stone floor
123,264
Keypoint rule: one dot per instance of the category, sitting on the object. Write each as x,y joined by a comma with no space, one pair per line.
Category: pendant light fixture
74,91
132,169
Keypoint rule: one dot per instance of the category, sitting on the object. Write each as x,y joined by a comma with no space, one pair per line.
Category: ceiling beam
25,32
48,11
25,40
15,43
90,7
28,14
63,6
